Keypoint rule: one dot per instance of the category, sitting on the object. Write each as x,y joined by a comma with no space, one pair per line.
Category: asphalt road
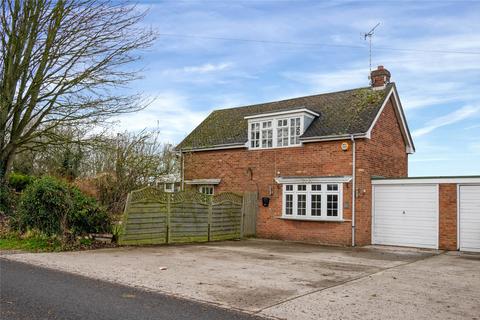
29,292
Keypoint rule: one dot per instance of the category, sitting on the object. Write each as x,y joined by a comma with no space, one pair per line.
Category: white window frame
265,127
167,189
253,128
324,192
274,127
201,189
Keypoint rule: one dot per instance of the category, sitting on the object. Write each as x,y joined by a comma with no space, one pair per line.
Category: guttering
324,179
216,147
279,113
427,180
353,189
334,137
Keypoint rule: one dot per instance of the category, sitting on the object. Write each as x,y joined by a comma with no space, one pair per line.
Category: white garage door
469,204
405,215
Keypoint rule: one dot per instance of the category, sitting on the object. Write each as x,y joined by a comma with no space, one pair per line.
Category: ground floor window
318,201
208,190
169,187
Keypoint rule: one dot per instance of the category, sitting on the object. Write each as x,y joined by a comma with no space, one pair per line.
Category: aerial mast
369,35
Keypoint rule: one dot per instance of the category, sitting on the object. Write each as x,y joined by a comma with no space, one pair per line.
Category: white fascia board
281,113
217,147
410,148
295,180
203,181
426,180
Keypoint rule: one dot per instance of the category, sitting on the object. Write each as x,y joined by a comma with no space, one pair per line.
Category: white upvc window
169,187
313,201
207,189
278,129
295,131
267,134
274,133
255,135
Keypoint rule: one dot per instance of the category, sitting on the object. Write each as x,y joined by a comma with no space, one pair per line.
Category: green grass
35,244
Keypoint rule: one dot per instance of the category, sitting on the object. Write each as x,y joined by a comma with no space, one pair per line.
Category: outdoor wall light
265,201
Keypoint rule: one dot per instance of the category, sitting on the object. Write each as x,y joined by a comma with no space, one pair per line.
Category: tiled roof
340,113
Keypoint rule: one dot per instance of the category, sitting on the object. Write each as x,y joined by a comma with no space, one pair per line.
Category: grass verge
35,244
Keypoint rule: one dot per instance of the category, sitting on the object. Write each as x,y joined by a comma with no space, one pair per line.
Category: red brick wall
384,155
313,159
448,216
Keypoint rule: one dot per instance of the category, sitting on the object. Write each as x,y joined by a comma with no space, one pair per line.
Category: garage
405,215
469,217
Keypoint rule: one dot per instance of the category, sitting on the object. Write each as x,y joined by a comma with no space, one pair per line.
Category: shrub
8,200
45,205
19,181
87,216
55,208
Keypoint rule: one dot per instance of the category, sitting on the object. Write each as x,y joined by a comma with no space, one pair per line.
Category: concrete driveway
291,280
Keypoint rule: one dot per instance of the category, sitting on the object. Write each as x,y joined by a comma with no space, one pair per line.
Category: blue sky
188,77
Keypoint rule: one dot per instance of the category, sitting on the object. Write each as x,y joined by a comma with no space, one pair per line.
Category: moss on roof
343,112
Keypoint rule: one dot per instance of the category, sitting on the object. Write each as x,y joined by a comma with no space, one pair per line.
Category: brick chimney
379,78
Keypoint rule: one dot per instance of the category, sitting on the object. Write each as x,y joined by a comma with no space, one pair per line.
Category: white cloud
169,112
330,81
451,118
201,69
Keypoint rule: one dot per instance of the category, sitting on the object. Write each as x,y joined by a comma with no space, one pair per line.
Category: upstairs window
295,131
279,133
255,135
267,134
282,133
278,129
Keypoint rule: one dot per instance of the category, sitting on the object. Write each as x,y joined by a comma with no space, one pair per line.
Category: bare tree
127,162
62,64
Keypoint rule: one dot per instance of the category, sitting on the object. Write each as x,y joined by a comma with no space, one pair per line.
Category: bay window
313,201
278,129
295,131
255,135
279,133
267,134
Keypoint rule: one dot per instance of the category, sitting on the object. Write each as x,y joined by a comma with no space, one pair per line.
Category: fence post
124,220
210,212
242,215
169,209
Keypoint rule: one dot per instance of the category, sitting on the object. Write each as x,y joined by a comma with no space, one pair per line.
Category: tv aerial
369,36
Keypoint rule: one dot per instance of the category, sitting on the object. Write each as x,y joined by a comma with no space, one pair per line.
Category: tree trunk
5,164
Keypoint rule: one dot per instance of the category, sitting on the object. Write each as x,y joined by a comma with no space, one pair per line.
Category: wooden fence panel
226,221
144,223
188,222
152,216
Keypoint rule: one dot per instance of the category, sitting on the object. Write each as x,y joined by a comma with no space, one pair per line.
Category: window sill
312,219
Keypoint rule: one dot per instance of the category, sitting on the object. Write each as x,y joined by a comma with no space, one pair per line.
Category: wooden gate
250,209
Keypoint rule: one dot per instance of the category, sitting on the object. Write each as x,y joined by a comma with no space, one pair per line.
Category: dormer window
280,129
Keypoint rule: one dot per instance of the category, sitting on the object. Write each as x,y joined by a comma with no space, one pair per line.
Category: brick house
309,156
